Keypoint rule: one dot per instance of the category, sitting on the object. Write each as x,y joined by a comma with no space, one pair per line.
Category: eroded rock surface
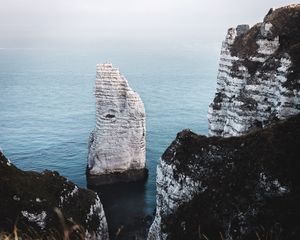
244,186
236,187
259,74
28,200
117,144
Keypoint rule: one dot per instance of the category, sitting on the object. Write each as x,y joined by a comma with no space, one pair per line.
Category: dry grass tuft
68,232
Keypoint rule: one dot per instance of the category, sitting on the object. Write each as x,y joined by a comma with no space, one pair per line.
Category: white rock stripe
118,141
247,100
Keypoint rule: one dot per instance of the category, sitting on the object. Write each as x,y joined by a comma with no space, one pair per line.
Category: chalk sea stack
242,182
28,201
117,144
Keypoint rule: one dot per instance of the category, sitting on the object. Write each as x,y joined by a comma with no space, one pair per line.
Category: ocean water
47,109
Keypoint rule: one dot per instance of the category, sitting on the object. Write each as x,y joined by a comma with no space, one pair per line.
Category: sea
47,110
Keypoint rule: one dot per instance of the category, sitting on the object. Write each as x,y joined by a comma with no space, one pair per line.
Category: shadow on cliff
249,185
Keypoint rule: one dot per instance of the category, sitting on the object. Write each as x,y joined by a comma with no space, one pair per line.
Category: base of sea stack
132,175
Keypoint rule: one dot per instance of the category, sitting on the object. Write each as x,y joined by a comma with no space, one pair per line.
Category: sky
157,24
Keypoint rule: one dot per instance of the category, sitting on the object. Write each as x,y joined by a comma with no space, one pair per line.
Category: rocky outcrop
117,144
236,188
47,205
245,186
259,74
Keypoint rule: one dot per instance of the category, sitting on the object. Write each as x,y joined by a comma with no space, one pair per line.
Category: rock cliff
117,144
259,75
244,186
28,200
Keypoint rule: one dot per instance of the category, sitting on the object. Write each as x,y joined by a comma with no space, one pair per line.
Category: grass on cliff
74,232
262,234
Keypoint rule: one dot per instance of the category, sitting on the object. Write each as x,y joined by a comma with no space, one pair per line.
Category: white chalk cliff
258,83
255,83
170,194
117,144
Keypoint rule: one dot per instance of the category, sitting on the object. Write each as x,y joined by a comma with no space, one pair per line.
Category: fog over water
143,24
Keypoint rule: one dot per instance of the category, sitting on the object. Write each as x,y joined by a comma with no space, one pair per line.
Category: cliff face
244,187
117,144
259,76
28,199
237,187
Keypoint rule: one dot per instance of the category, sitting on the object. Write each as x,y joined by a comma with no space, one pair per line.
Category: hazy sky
185,23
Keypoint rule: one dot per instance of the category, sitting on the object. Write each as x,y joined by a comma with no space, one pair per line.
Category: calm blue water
47,108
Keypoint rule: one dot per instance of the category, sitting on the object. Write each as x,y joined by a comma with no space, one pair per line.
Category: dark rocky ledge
132,175
249,186
28,200
285,25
